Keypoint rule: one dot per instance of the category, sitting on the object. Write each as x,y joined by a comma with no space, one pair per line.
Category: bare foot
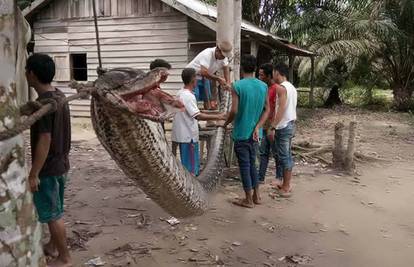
284,192
283,189
50,250
243,203
257,200
276,185
60,263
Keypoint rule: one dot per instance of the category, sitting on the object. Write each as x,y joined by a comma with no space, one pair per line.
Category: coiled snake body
138,145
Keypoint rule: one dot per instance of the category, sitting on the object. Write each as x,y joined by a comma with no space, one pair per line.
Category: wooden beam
34,6
312,82
291,60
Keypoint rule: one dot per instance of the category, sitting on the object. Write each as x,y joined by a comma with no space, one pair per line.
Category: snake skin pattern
140,149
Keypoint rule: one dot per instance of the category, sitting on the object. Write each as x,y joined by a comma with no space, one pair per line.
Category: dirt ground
331,219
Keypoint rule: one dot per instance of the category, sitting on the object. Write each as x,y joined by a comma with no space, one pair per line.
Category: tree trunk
402,97
20,235
338,151
349,164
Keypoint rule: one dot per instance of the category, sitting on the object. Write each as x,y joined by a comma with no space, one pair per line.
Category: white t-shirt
291,103
208,59
185,126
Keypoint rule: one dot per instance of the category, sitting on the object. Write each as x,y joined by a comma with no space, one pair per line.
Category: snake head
132,90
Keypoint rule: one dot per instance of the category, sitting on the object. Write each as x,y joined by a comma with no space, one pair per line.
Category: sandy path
335,220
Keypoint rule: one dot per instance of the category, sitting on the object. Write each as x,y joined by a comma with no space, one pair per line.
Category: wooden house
132,34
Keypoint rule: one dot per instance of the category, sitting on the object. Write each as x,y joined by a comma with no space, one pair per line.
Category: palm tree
346,30
396,54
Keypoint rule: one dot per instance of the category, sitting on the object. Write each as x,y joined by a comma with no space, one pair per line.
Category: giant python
126,110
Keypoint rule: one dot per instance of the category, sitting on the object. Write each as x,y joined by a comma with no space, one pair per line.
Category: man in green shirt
249,110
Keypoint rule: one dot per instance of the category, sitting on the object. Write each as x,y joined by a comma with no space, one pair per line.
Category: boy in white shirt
185,127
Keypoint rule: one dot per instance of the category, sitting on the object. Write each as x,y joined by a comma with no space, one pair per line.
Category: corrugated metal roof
195,6
207,10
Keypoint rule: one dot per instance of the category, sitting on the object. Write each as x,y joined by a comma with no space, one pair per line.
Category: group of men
262,111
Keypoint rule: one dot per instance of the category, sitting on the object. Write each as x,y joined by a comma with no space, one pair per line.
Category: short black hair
159,63
248,63
42,66
267,69
188,75
282,68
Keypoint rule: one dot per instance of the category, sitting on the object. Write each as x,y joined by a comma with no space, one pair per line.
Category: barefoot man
207,63
50,145
267,147
283,128
249,110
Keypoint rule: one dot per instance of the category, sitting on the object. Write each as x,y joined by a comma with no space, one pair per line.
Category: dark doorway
79,67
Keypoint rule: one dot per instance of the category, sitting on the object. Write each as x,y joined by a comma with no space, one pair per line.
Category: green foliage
24,3
373,39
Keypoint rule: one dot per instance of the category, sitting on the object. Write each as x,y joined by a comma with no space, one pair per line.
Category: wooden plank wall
130,41
64,9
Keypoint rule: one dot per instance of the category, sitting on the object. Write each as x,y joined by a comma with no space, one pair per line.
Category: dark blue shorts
190,157
203,90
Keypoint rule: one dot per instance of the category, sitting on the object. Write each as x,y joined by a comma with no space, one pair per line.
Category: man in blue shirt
249,110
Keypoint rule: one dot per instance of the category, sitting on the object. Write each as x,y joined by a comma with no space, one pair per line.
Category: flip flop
242,203
283,194
279,188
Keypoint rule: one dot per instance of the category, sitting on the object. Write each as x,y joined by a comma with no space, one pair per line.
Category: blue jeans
246,154
266,149
283,144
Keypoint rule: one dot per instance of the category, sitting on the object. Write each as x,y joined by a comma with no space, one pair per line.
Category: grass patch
354,96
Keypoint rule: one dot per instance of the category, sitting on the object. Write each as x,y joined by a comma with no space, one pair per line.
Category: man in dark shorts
50,144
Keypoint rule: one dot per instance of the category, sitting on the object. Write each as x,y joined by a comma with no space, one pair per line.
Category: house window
79,67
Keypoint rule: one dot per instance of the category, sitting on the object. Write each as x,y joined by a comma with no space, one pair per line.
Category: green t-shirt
252,98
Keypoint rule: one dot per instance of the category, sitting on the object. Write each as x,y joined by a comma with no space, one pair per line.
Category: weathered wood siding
64,9
130,40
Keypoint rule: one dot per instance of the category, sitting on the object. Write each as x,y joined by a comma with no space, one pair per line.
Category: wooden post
291,60
20,234
237,38
254,48
349,164
338,151
225,32
312,82
98,45
225,25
